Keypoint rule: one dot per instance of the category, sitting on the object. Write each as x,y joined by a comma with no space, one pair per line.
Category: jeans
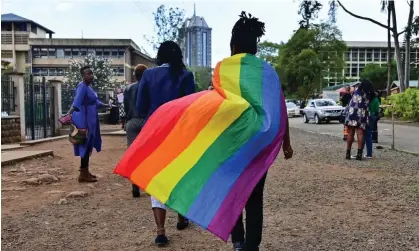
368,136
254,220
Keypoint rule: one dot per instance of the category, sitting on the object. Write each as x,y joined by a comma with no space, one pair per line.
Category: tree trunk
397,46
389,82
408,38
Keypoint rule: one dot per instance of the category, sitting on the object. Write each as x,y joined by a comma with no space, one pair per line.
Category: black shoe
375,141
348,154
161,240
359,154
183,223
238,246
135,191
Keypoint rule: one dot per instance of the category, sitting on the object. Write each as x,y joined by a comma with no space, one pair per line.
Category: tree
168,25
202,77
309,10
268,51
102,72
376,74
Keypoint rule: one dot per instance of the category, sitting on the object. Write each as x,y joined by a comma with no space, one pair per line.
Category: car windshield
321,103
291,105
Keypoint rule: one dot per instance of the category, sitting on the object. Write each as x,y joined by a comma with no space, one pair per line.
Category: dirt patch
316,201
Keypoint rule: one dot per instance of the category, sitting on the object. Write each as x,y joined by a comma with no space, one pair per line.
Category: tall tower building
196,42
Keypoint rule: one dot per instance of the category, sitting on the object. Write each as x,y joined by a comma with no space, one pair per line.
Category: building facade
361,53
196,42
27,48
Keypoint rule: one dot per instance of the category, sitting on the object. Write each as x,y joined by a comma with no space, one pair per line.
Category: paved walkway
10,157
406,137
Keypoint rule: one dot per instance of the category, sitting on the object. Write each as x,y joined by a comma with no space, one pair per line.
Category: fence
39,109
67,97
8,94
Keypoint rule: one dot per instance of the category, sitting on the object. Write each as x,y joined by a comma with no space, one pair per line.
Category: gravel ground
316,201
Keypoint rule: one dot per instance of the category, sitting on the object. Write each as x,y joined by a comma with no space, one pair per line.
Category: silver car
321,110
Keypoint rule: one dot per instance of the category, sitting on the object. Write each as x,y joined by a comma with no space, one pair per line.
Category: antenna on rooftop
194,9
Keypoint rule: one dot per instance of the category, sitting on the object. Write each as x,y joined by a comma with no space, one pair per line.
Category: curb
38,154
44,140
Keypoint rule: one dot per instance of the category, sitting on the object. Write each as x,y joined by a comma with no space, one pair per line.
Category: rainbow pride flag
203,154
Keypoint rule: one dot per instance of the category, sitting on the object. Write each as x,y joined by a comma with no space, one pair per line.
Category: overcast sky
133,18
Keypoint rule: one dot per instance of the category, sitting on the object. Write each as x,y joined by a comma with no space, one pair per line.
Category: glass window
348,70
99,52
60,71
44,53
369,55
376,55
34,29
44,72
392,55
361,68
383,56
52,72
354,55
83,52
120,71
91,51
347,56
121,53
36,71
75,52
52,53
325,102
67,53
354,71
60,53
36,53
106,53
114,53
362,55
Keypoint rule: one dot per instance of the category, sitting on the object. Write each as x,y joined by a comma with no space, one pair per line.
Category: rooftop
13,18
368,44
196,21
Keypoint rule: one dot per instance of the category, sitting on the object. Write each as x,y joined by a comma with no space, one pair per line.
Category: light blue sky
133,18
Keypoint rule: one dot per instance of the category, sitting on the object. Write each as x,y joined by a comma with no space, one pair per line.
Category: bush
406,105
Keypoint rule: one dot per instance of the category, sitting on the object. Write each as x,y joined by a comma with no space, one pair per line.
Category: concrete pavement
406,137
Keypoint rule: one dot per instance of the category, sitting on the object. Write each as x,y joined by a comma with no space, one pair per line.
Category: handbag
78,136
66,120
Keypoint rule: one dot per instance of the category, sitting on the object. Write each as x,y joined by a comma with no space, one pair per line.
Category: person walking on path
85,116
374,109
357,117
346,97
246,34
134,119
158,86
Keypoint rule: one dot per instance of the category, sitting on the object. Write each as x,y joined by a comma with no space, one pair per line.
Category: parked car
292,109
321,110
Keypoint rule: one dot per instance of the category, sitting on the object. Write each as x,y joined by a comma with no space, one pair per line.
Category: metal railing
8,94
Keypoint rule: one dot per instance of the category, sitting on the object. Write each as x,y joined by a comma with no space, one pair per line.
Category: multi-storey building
25,46
196,42
361,53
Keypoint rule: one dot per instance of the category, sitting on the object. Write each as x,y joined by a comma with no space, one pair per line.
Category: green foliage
168,23
406,105
308,10
378,74
308,56
202,77
102,72
268,51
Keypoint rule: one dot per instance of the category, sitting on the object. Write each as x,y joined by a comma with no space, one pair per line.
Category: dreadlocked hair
246,34
169,53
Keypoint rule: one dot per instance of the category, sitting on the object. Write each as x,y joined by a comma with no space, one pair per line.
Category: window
67,53
34,29
383,56
36,71
60,53
44,72
106,53
361,68
348,70
369,55
6,27
120,71
354,71
99,52
362,55
75,53
60,71
83,52
91,51
27,57
376,55
204,49
347,56
36,53
354,55
121,53
52,53
114,53
392,55
44,53
21,27
52,72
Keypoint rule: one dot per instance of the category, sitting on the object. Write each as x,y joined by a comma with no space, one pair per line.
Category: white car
322,110
292,109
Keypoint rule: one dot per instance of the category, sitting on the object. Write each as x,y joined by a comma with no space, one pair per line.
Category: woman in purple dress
85,116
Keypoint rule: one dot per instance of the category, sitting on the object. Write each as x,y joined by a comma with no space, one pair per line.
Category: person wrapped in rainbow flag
207,155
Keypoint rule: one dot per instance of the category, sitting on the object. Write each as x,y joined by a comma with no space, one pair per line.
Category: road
406,137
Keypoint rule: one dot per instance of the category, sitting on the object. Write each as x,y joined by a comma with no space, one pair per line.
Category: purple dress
86,116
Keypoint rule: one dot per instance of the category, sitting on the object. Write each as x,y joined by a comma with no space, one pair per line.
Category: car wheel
305,119
316,119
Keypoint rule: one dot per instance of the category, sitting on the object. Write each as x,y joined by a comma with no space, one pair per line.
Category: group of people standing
117,112
153,88
361,115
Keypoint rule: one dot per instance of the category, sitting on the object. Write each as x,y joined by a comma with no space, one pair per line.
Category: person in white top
120,97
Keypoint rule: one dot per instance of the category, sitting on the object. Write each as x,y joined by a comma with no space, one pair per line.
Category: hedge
406,105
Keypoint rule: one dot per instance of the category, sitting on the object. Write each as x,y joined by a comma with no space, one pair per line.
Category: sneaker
238,246
367,157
